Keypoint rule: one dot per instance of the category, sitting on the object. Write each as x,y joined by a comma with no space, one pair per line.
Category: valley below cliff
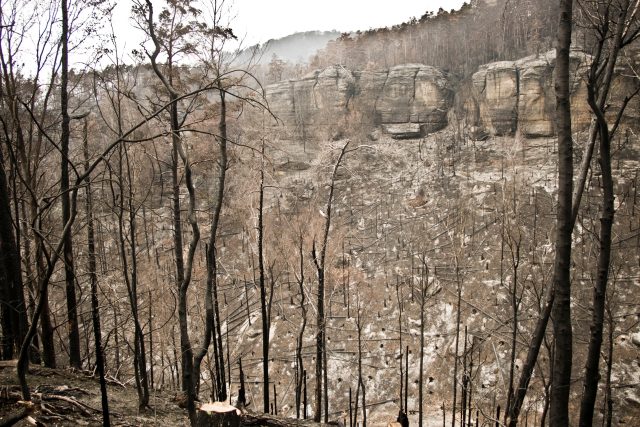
367,233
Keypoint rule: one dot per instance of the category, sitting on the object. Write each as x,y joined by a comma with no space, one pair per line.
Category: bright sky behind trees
257,21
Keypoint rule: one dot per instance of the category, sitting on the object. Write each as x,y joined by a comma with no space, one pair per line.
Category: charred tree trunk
597,94
300,372
319,261
424,286
514,247
399,299
561,313
123,201
183,269
263,292
608,398
93,277
222,128
532,357
69,272
14,314
319,338
212,329
457,341
139,342
129,272
361,386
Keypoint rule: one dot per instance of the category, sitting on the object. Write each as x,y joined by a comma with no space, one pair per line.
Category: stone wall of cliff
410,94
412,100
510,96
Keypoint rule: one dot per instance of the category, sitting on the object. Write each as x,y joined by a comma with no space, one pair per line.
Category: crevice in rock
313,92
517,107
377,121
413,95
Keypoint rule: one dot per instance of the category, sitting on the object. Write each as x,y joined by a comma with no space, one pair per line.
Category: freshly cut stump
218,414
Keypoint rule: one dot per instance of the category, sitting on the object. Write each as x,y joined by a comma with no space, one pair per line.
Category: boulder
403,130
369,85
432,99
334,89
394,104
304,101
499,99
536,98
320,98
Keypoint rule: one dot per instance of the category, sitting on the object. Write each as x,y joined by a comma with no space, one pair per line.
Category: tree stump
218,414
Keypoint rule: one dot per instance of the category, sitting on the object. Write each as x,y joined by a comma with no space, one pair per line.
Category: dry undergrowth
72,398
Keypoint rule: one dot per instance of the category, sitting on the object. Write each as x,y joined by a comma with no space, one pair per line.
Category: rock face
318,99
415,93
495,87
519,95
412,100
406,94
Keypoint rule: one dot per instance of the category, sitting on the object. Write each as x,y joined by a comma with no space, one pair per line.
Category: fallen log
83,407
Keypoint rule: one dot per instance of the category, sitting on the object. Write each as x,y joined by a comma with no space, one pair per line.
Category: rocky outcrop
519,95
412,100
495,87
314,100
407,94
415,93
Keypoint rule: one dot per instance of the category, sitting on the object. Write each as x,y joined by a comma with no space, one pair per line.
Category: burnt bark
300,372
607,51
263,292
561,312
14,314
93,278
319,261
73,332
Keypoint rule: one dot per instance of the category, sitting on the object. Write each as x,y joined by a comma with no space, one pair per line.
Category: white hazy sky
257,21
261,20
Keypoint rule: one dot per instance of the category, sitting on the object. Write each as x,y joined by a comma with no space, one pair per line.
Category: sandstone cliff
412,100
407,94
518,95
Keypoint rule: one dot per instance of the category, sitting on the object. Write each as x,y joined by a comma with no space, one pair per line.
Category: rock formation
414,93
407,94
519,95
412,100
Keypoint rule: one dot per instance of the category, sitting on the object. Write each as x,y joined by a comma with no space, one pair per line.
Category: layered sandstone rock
411,93
411,100
280,100
495,89
519,95
403,130
415,93
369,86
316,99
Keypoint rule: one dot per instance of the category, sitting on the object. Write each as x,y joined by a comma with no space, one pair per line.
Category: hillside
369,234
296,48
458,41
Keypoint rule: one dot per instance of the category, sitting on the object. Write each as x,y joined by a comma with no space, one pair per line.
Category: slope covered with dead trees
162,231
